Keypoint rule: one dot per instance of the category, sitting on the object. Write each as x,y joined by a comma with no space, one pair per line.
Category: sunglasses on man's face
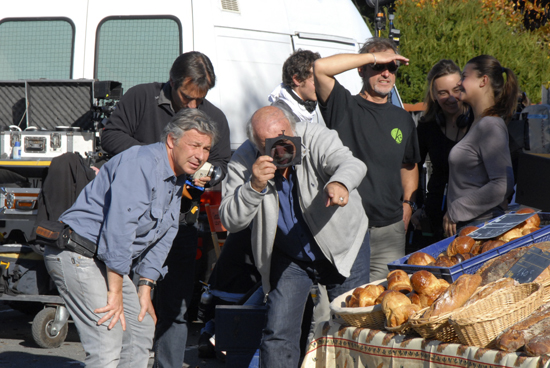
392,67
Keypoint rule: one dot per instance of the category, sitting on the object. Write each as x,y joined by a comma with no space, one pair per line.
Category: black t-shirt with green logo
384,137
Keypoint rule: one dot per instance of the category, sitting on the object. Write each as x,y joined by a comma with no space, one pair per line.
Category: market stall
489,309
337,345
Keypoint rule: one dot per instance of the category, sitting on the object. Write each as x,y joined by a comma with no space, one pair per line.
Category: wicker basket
437,328
368,317
480,323
403,329
545,290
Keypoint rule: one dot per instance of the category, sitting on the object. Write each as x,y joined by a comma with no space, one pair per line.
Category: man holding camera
308,223
381,135
125,218
139,118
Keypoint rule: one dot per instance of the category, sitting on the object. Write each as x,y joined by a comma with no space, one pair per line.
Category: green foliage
460,30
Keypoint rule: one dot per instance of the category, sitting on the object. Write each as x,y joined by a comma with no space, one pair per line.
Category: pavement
18,349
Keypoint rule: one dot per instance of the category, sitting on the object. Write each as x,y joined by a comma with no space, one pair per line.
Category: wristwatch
412,204
148,283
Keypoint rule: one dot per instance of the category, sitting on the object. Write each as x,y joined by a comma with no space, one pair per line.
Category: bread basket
403,329
369,317
480,323
436,328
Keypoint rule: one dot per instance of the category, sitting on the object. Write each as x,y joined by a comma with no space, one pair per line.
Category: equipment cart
45,119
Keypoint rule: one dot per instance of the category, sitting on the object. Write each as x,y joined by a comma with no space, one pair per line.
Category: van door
248,69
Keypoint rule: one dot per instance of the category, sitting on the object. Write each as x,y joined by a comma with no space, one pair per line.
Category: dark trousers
291,282
172,298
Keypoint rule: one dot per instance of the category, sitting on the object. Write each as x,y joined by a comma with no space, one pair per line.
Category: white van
136,42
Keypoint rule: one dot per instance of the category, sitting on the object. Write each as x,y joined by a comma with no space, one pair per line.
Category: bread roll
368,295
381,296
397,308
527,231
531,222
420,259
462,257
467,230
491,244
398,280
415,299
512,234
455,296
476,249
353,301
461,244
427,287
444,261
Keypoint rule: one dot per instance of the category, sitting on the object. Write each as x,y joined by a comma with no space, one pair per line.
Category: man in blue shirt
131,212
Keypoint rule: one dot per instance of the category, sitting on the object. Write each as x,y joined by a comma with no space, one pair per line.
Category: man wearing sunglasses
379,133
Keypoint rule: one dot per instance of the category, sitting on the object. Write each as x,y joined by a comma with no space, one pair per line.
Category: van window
36,48
134,50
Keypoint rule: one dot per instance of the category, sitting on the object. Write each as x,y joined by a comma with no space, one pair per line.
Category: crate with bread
465,254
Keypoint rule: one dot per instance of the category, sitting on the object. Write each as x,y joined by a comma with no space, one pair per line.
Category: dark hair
377,44
440,69
298,64
504,83
194,67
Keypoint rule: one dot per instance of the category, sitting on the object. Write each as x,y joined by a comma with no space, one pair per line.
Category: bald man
308,223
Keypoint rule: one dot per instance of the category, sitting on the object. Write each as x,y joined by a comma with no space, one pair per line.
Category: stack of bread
464,247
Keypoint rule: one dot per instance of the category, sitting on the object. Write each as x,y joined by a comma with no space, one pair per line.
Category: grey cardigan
339,231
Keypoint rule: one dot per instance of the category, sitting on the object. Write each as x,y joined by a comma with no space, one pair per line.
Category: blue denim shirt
293,235
131,209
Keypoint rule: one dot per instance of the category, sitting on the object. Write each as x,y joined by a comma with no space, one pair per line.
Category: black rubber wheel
41,330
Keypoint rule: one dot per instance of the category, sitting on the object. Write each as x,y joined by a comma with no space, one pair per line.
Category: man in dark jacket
139,119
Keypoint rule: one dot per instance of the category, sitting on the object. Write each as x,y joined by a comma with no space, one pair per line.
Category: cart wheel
41,330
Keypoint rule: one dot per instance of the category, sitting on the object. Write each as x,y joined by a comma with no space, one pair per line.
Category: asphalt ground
19,350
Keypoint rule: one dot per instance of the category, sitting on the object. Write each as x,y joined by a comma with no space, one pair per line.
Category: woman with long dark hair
480,168
444,123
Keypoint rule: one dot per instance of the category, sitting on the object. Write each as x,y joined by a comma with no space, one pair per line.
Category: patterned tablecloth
335,345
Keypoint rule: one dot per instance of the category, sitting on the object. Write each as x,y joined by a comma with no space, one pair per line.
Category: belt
79,244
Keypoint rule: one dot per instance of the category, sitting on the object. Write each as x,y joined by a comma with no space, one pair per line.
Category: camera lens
283,152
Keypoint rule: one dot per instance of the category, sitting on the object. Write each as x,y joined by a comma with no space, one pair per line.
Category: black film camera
284,150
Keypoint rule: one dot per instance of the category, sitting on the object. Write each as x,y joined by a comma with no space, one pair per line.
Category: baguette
455,296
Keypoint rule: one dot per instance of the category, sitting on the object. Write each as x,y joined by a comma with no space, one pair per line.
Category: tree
462,29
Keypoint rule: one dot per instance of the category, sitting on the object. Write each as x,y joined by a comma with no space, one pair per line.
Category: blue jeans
172,298
82,282
291,282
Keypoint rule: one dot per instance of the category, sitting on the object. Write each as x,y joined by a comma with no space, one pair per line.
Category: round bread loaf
368,295
397,308
420,259
398,280
444,261
467,230
462,244
491,244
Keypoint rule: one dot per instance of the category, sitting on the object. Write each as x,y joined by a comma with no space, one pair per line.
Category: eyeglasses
392,67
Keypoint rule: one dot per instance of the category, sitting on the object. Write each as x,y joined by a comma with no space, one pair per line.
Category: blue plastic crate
471,265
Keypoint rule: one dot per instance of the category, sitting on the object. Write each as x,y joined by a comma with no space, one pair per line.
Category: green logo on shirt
397,135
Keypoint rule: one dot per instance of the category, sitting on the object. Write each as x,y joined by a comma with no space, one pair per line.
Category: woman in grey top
480,168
